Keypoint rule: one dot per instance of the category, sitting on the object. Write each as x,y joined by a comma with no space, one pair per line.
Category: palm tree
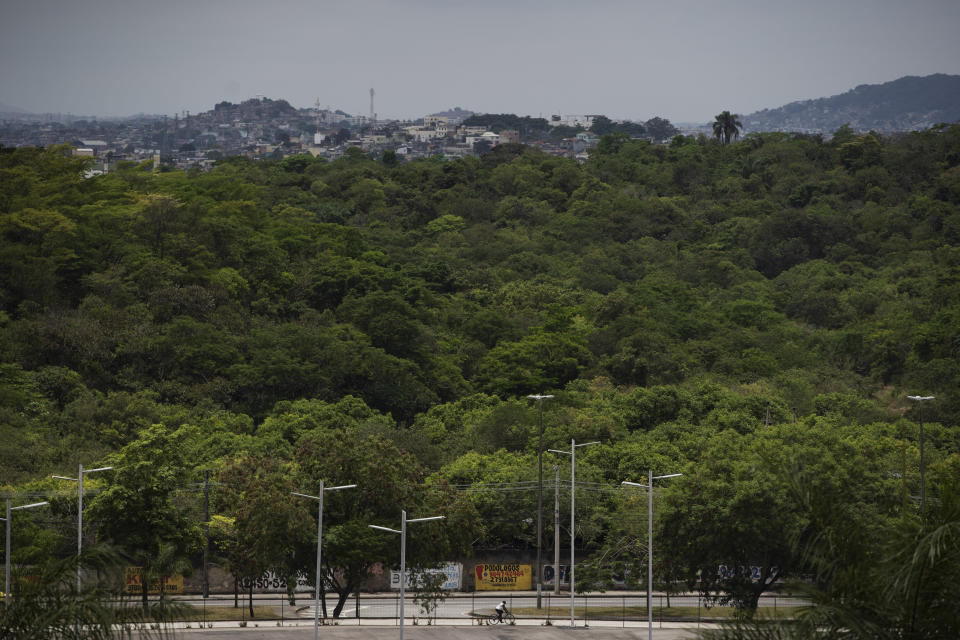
894,586
726,126
48,605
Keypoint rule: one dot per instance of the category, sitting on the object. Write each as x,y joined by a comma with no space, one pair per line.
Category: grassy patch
191,613
659,613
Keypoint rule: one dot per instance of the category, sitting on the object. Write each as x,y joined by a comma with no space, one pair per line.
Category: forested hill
783,273
909,104
751,315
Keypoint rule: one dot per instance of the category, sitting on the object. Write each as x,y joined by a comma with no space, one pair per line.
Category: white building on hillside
488,136
572,121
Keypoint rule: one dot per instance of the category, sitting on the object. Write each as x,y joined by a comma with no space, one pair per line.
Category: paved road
378,611
442,632
386,606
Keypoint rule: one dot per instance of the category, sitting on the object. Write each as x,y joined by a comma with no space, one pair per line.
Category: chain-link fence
463,608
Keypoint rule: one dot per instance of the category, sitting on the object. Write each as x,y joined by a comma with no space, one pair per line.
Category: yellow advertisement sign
134,583
502,577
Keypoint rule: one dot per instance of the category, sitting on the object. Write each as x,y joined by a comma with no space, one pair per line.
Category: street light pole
556,530
923,487
10,510
319,499
403,552
540,399
573,491
79,481
649,488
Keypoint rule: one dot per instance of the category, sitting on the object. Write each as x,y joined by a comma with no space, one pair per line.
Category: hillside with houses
262,128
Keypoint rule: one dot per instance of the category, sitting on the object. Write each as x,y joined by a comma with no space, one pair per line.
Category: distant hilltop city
272,128
266,128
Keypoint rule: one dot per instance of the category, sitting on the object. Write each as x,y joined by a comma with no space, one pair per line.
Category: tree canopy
747,311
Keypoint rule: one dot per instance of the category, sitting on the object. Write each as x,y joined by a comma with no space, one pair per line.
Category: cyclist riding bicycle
501,609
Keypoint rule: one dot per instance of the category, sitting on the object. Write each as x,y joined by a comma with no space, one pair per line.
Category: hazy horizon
684,60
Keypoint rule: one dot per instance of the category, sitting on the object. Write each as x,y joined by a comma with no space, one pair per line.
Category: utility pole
649,488
317,578
556,530
79,481
573,492
923,485
540,399
7,566
403,553
206,526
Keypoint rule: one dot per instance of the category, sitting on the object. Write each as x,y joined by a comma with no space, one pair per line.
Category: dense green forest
751,314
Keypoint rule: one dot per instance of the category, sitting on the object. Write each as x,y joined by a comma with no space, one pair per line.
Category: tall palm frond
727,125
46,603
902,589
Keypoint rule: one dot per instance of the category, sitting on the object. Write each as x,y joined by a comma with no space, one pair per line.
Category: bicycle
508,618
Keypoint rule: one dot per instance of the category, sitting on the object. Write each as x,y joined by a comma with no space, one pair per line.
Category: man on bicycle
501,608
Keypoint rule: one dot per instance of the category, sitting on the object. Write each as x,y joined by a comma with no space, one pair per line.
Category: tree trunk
250,599
767,580
341,600
236,593
323,598
144,590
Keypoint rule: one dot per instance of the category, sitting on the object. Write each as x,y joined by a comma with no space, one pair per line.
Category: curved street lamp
573,492
319,499
649,488
79,481
923,487
10,510
403,552
539,399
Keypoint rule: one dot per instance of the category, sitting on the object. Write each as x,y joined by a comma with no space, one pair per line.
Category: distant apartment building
356,121
372,141
487,136
508,135
464,130
425,134
439,124
327,117
572,121
95,147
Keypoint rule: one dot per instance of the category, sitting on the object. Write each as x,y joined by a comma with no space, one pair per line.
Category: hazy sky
685,60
